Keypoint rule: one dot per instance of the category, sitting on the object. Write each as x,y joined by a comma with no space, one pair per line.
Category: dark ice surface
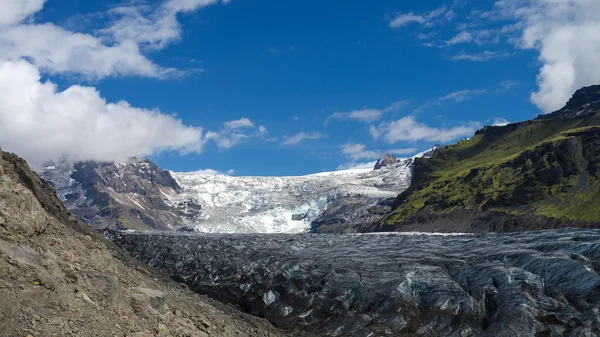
524,284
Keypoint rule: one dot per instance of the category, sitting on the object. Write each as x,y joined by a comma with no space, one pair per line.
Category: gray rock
352,214
525,284
385,161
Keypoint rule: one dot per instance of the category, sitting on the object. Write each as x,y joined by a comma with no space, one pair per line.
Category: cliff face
58,277
537,174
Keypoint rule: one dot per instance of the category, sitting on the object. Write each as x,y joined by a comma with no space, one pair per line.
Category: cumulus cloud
58,51
15,11
302,136
408,129
359,151
40,123
565,33
115,51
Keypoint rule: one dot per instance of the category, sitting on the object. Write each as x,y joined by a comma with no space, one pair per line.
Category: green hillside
547,167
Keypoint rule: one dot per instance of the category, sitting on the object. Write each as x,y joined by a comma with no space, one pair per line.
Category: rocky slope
524,284
60,278
542,173
140,195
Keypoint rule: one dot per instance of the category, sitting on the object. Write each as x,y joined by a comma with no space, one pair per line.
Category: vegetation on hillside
546,166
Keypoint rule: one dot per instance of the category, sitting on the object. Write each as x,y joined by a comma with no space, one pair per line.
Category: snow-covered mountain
138,194
131,194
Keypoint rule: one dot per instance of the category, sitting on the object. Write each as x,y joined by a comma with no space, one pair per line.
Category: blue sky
292,87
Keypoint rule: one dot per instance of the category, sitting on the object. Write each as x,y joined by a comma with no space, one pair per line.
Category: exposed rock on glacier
525,284
386,160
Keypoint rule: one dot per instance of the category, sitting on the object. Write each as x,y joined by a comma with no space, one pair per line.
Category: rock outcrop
522,284
58,277
385,161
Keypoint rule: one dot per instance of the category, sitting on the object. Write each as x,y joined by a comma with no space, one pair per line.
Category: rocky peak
583,96
584,102
385,161
137,175
132,194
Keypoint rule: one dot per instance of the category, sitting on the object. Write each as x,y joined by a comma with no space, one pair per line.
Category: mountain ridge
138,194
537,174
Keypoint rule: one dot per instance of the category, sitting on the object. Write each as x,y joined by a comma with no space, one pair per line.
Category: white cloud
461,37
506,85
374,131
500,122
262,130
211,172
114,52
565,33
485,55
408,129
15,11
297,138
154,28
58,51
359,151
366,115
235,132
239,124
40,123
408,18
456,96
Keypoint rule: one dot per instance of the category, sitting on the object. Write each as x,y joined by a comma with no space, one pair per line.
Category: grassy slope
485,172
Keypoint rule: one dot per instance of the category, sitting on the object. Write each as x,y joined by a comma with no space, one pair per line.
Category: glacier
288,205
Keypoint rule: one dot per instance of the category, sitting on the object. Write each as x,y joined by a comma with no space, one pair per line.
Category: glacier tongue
282,204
